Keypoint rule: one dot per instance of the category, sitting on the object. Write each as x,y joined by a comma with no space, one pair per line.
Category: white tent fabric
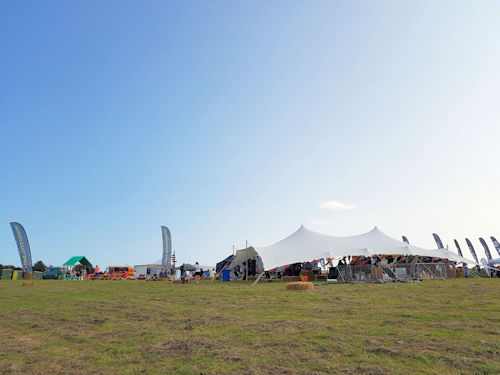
305,245
494,261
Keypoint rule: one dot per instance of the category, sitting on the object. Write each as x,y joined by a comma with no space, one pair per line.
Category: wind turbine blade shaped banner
458,248
166,259
438,241
486,248
23,246
405,240
496,244
471,248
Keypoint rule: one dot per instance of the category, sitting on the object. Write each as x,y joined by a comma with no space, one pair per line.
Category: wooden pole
246,272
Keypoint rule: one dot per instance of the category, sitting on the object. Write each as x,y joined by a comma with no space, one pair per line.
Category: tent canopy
78,259
305,245
237,263
242,255
187,267
223,263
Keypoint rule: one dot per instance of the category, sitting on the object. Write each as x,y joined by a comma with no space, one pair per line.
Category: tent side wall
140,270
237,266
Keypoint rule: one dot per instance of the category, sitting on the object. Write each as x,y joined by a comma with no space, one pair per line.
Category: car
53,273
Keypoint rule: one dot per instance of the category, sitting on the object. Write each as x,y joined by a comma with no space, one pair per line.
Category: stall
77,268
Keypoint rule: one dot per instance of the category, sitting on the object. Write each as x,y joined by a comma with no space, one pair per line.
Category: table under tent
369,256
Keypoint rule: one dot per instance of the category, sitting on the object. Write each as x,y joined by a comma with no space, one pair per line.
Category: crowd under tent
373,255
305,245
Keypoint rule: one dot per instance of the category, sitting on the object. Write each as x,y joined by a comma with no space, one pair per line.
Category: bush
39,266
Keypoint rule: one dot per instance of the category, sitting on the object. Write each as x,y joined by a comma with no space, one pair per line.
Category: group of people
97,274
382,260
79,273
198,273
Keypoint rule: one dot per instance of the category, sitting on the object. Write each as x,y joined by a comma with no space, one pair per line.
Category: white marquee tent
305,245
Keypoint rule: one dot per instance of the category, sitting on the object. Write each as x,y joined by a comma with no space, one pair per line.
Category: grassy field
139,327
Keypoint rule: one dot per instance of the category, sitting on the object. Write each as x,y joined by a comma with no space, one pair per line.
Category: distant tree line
38,266
9,266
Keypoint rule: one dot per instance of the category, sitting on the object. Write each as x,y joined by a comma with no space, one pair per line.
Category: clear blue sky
233,121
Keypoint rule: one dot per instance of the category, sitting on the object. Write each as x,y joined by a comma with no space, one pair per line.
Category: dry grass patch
138,327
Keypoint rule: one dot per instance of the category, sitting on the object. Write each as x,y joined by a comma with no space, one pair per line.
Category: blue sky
233,121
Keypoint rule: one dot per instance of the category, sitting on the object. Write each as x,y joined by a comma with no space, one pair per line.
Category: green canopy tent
78,259
187,267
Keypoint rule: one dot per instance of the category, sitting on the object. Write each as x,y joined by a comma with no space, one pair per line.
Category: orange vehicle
120,272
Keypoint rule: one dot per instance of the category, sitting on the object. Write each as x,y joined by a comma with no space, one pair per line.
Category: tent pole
338,270
246,272
473,273
340,273
430,272
258,278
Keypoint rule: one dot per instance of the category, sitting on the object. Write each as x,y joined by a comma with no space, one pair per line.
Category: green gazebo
78,259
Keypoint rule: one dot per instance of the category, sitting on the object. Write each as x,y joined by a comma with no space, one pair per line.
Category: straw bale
300,286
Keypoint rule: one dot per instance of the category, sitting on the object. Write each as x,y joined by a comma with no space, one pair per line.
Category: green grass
139,327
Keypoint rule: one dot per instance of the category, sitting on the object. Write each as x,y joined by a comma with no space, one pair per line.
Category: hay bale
300,286
28,283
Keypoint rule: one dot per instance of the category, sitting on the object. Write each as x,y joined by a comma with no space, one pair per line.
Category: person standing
197,272
183,274
96,272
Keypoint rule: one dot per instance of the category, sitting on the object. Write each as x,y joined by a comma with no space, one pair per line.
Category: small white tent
306,245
